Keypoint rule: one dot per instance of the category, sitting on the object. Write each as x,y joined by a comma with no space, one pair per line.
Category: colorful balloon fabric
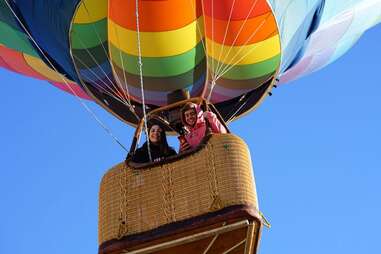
227,51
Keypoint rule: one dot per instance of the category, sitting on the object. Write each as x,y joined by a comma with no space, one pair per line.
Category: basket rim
178,157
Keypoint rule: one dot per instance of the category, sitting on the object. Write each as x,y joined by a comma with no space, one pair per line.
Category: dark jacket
141,154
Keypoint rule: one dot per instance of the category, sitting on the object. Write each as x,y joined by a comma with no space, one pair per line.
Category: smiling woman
197,123
156,148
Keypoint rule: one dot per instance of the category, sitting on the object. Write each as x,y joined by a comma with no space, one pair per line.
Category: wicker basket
218,176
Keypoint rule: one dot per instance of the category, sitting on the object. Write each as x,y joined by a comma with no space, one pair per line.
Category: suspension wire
229,67
109,92
214,79
212,85
105,91
233,107
239,32
141,79
213,45
225,35
215,72
121,57
119,84
213,82
201,34
115,88
208,71
198,27
95,117
242,105
239,109
126,92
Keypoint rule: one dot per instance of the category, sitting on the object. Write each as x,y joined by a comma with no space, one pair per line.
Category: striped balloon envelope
124,54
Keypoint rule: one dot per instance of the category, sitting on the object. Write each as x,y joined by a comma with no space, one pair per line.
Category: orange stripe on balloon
155,16
220,9
240,32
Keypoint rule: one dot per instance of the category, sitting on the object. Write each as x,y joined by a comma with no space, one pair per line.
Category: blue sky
315,147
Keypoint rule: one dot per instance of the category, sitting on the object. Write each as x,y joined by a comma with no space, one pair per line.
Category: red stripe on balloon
4,64
76,88
14,61
239,9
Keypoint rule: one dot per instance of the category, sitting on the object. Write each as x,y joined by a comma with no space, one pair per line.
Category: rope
122,60
213,63
213,183
168,205
64,80
209,72
229,67
264,220
109,91
198,26
140,64
225,35
123,205
240,30
236,112
119,84
220,70
119,87
213,84
115,88
105,91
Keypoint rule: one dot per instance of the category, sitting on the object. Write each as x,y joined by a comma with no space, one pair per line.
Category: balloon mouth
225,57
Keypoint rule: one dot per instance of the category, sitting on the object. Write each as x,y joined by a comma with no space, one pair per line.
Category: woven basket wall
217,176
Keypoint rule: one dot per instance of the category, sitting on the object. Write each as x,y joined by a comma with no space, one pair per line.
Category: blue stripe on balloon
49,24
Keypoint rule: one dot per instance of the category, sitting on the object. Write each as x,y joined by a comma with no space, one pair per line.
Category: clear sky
315,147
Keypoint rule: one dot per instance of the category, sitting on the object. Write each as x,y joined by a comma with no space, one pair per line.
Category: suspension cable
98,86
214,79
110,91
121,57
65,81
141,79
114,87
228,67
240,30
119,84
198,27
225,35
220,66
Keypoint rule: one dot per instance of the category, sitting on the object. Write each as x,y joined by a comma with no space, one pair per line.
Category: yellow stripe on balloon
91,11
157,44
40,67
242,55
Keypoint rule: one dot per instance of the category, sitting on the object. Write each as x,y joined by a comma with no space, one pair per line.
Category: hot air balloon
143,60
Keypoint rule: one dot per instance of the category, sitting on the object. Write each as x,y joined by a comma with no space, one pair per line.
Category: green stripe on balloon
244,84
90,57
249,71
16,40
89,35
159,66
165,83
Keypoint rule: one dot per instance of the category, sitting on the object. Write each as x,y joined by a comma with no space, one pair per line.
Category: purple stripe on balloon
220,93
158,98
